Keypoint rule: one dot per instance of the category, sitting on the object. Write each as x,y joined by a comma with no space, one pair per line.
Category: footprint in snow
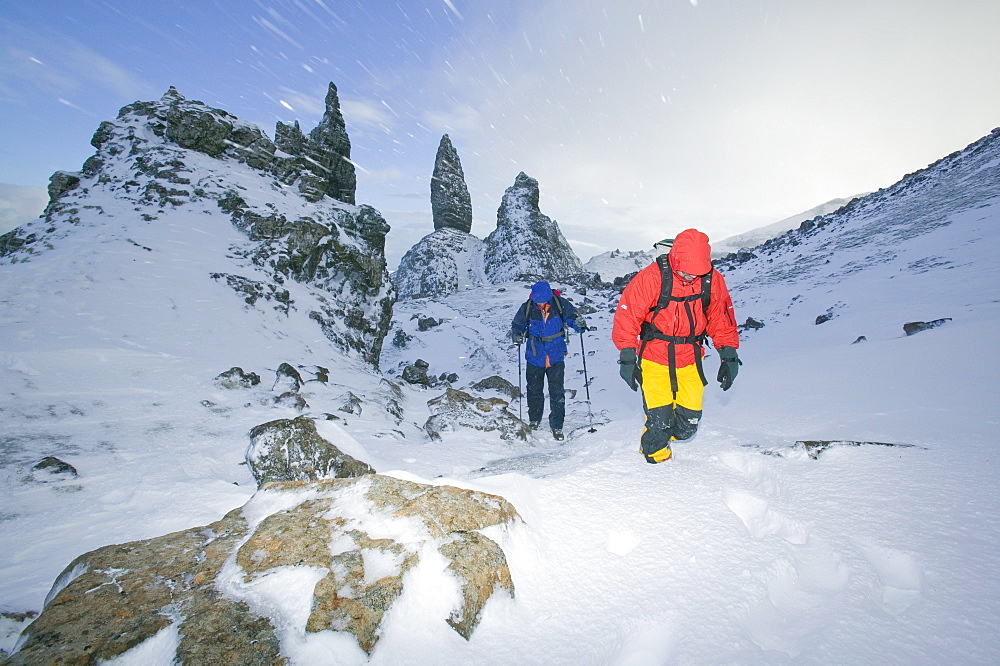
802,590
900,581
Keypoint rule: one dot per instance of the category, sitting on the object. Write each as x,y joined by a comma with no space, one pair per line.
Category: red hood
691,253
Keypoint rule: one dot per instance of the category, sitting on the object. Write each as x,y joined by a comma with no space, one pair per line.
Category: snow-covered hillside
743,549
755,237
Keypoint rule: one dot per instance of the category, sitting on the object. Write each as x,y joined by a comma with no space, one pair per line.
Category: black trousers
557,396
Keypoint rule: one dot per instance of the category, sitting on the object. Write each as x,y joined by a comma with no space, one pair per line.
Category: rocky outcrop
451,204
914,327
455,410
152,159
449,259
441,263
527,244
293,450
220,587
323,159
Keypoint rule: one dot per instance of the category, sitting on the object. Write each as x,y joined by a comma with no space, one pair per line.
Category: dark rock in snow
861,338
913,327
451,204
527,244
293,450
427,323
51,468
496,383
823,318
815,447
234,378
287,379
752,324
417,373
449,259
62,182
401,338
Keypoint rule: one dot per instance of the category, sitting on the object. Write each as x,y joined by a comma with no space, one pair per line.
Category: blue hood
541,292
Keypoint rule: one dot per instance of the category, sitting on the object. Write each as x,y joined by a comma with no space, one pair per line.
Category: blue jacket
541,321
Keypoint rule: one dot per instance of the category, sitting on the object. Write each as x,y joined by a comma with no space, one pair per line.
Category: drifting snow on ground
743,549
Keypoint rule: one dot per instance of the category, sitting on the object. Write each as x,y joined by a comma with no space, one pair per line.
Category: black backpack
649,331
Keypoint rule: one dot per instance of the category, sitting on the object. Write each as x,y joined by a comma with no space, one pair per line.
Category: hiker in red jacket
661,339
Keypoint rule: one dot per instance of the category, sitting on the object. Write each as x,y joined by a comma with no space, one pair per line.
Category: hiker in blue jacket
541,324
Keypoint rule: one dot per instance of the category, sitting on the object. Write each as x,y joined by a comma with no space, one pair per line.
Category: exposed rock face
234,378
451,204
441,263
51,468
324,156
449,259
456,409
292,450
153,158
209,584
527,244
914,327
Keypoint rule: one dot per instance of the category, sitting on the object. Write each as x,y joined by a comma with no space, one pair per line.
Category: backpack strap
649,331
546,338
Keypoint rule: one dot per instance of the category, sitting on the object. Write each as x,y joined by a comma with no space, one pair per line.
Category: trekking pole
519,414
586,384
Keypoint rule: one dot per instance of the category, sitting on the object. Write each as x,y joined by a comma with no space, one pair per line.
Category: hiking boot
663,455
534,425
558,434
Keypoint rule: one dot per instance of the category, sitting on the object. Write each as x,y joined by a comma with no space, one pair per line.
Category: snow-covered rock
451,258
440,264
292,450
527,244
230,593
167,159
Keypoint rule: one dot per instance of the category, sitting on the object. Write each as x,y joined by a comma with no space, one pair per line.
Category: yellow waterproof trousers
669,417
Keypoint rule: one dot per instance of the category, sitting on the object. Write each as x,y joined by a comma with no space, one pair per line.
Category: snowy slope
755,237
743,549
619,263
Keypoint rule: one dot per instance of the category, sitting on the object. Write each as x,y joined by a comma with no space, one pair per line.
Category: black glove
581,325
516,337
730,367
628,368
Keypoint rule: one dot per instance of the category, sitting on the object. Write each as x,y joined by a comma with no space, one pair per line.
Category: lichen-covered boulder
114,598
223,590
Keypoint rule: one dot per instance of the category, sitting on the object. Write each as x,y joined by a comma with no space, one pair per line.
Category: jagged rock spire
451,204
526,243
326,152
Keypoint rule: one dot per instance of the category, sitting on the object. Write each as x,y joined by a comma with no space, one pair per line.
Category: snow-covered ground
742,549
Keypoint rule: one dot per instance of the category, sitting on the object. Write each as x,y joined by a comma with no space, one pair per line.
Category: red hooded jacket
690,254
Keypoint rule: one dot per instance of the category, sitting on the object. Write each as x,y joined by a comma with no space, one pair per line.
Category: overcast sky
638,118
